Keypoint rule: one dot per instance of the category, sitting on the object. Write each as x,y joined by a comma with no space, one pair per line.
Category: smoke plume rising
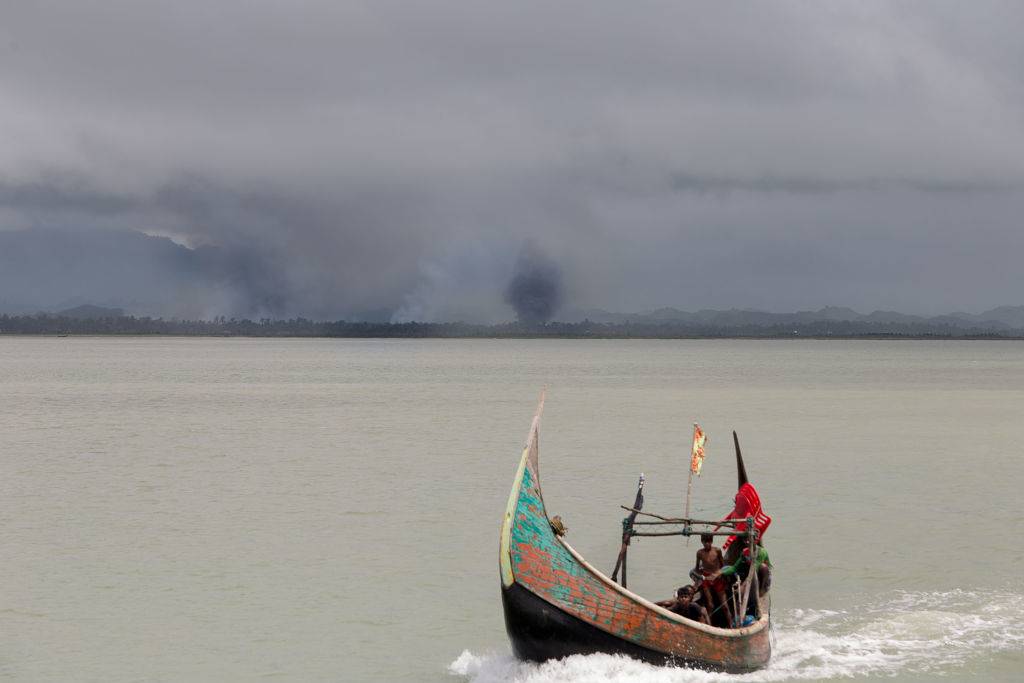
535,291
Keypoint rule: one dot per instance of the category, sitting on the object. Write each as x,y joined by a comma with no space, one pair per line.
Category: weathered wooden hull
556,604
539,631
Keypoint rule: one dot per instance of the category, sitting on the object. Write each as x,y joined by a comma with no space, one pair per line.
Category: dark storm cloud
365,156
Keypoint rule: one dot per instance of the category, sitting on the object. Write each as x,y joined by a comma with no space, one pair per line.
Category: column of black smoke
535,290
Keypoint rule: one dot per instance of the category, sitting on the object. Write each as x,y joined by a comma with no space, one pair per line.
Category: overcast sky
405,155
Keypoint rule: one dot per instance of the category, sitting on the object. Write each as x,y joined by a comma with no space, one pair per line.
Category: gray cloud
61,192
692,183
340,158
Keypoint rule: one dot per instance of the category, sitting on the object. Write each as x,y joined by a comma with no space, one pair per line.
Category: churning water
906,635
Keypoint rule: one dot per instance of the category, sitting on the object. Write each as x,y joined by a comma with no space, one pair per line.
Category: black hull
539,631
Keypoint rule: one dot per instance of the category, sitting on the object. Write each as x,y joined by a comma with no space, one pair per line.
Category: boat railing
738,527
735,527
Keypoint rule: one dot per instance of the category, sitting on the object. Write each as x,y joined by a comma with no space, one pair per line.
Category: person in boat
740,569
709,561
684,605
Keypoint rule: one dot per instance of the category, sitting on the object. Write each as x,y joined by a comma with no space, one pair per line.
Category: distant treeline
46,324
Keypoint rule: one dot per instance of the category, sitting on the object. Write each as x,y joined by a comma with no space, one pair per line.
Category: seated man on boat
740,569
684,605
709,561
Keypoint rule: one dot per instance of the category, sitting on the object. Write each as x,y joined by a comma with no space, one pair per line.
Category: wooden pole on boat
627,532
689,488
734,595
755,588
751,544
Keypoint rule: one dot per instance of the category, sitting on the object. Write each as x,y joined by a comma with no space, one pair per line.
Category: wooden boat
556,604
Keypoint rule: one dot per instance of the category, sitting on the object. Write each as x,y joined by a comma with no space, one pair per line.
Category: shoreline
722,337
299,328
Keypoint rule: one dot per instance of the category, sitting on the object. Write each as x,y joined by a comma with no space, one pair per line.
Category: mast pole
751,545
689,487
627,532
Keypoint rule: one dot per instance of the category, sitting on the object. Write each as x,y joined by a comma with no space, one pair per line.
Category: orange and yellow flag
697,455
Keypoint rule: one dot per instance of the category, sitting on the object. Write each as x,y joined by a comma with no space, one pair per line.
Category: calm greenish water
328,510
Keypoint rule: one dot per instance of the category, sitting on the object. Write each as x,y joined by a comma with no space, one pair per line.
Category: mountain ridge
1000,318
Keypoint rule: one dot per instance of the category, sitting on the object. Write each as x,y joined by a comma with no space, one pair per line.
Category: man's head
707,540
685,593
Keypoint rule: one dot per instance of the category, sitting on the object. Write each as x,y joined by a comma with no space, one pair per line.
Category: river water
315,510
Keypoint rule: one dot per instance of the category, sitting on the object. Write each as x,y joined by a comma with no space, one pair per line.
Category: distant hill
1000,319
1010,315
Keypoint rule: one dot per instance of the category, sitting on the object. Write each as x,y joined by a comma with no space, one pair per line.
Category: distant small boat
556,604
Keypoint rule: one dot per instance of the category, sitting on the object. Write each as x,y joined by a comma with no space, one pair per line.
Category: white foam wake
906,633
